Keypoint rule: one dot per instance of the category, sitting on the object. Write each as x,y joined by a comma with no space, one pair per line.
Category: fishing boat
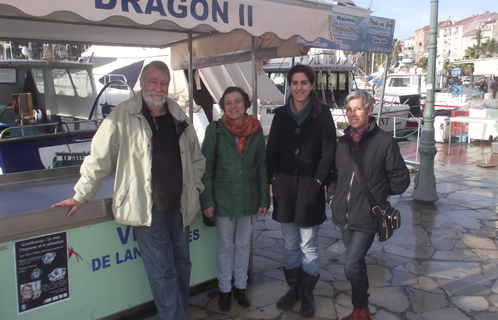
334,83
403,87
47,114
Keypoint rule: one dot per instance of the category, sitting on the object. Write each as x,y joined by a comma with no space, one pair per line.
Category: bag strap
216,147
362,183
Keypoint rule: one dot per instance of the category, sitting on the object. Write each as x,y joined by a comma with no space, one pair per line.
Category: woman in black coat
300,156
384,172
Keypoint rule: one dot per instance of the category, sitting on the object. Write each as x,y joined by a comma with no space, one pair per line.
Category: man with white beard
151,144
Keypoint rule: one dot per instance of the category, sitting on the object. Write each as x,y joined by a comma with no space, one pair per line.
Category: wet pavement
442,264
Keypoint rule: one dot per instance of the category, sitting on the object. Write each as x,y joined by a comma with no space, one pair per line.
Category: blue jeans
165,252
301,247
357,244
238,230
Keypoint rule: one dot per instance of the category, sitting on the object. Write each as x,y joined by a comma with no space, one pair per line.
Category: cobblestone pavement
442,264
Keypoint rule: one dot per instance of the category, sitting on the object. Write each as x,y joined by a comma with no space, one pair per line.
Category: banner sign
369,34
41,271
257,17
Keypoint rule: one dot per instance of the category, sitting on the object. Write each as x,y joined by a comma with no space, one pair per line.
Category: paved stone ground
441,265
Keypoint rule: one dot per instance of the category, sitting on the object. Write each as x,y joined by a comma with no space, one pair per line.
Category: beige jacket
124,143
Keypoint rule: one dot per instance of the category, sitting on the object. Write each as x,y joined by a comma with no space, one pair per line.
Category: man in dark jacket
383,169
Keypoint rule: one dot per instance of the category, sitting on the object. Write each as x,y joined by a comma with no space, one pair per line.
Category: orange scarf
242,131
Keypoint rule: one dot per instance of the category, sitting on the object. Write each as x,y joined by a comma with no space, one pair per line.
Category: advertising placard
369,34
41,266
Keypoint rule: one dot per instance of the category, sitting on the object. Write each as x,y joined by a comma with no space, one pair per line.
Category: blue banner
369,34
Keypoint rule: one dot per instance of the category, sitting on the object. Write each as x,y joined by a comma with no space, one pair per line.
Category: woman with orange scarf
236,189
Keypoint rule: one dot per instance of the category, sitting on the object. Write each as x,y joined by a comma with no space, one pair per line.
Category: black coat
383,169
297,157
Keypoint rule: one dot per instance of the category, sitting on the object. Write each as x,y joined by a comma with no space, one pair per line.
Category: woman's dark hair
310,74
245,97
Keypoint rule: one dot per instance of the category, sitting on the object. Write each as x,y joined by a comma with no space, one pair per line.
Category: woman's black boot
240,294
308,283
225,302
292,277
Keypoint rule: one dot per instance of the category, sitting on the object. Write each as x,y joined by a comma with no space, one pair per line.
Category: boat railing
58,127
411,119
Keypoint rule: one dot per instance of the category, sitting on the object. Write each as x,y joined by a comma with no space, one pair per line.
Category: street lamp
425,182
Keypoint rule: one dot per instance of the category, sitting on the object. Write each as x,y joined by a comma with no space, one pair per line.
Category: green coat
241,183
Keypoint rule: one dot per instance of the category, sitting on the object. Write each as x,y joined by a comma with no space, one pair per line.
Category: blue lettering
249,16
182,9
96,264
117,259
223,14
196,234
128,255
106,261
151,7
241,14
99,4
136,253
124,239
134,3
205,12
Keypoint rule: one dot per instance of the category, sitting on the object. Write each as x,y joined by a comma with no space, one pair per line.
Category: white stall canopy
218,78
486,67
162,23
165,23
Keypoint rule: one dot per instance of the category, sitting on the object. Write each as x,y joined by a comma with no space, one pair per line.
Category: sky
414,14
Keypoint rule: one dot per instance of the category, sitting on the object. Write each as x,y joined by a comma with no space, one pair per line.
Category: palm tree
448,66
472,52
422,63
489,47
479,36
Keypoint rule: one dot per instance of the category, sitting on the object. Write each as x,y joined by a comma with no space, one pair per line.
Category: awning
161,23
482,67
130,68
218,78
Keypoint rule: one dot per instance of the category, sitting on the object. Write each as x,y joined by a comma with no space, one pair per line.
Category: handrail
103,90
55,124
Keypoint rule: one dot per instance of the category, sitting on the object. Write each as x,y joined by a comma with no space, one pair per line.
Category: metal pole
190,78
373,61
254,77
418,141
384,80
425,182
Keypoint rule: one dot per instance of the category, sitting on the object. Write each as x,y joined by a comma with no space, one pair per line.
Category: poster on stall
41,271
369,34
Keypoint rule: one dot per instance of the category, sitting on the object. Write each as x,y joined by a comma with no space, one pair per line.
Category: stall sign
42,275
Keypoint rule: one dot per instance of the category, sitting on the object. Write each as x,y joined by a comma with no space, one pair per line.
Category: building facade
454,37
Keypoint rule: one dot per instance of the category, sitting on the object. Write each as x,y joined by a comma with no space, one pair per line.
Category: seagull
26,52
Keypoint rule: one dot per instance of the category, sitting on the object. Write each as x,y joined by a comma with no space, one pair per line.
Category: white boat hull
392,118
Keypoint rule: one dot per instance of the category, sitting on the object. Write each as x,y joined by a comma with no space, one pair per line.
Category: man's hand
208,212
262,211
72,203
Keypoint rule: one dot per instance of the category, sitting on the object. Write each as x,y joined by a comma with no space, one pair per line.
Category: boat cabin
45,107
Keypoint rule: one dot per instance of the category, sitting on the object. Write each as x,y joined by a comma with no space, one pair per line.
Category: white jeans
239,230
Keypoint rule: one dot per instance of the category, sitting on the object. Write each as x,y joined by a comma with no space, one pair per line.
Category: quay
442,264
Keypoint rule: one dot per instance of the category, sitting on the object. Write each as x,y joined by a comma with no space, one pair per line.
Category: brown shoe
359,314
